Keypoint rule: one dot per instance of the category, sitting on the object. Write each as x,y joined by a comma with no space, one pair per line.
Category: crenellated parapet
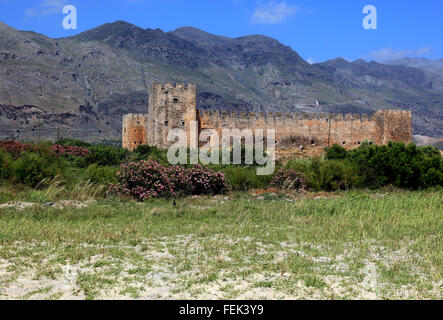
157,86
213,116
321,129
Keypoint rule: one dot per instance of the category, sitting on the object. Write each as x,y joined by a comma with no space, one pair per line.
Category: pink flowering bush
14,148
149,179
288,179
204,181
69,150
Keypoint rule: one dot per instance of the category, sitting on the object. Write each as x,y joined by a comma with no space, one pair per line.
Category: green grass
230,247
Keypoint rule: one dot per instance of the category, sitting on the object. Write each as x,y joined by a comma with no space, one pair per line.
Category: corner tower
393,125
134,130
171,106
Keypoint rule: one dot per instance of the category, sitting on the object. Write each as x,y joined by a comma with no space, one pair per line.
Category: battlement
182,86
214,114
401,112
135,116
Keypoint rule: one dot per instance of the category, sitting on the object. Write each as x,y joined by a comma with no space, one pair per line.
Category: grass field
348,245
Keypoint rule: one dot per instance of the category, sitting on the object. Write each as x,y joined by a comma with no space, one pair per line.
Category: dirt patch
19,205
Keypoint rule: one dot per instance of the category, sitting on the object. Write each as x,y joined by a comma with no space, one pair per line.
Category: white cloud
272,13
392,54
310,60
45,8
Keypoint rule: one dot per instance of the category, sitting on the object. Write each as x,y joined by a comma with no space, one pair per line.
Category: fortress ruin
174,106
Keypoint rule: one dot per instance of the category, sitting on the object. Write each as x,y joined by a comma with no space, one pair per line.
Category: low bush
33,167
6,163
200,180
335,152
242,178
288,179
144,152
330,175
403,166
74,142
106,156
149,179
101,174
68,150
338,175
15,148
142,180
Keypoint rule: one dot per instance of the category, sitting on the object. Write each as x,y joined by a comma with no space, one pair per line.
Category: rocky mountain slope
82,85
432,66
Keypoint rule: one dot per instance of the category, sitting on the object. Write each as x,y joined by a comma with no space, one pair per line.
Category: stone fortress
174,106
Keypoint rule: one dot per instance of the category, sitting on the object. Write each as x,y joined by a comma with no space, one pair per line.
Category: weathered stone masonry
174,106
134,131
170,107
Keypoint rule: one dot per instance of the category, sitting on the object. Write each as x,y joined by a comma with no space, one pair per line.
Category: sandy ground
167,278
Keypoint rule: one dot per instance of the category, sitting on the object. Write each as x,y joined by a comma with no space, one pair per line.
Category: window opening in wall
166,123
175,100
344,142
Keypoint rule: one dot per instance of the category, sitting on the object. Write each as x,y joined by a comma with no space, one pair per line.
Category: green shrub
101,174
106,156
6,163
144,149
433,177
32,167
327,175
74,142
144,152
241,178
403,166
367,143
338,175
298,164
336,152
430,151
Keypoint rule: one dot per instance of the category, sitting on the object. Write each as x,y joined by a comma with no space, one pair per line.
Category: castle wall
174,106
134,131
294,129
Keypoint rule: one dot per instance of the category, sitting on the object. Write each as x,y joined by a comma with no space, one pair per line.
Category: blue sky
317,29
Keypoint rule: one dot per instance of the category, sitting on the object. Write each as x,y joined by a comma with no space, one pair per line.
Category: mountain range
82,85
